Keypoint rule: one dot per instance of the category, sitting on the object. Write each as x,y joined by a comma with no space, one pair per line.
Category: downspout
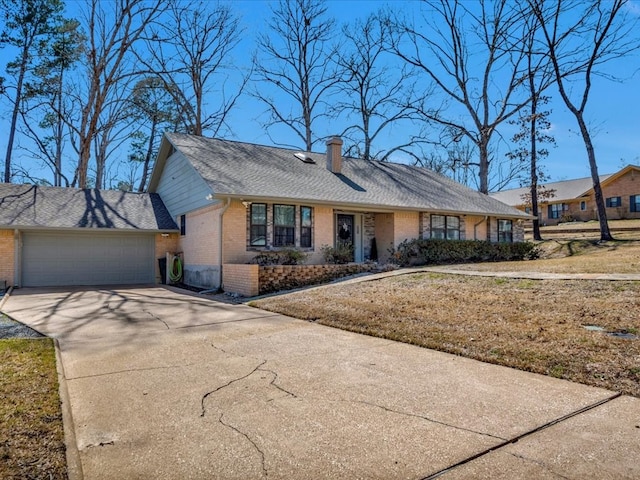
17,258
221,240
475,227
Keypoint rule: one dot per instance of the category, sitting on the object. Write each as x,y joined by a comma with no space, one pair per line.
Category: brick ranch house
234,200
573,200
220,203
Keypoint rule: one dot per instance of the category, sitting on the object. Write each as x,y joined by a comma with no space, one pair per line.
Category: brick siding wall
384,235
405,226
235,231
323,231
241,279
236,228
475,228
200,244
200,247
7,258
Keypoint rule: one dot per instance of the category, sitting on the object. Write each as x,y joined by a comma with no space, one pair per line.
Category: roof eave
158,166
367,206
85,229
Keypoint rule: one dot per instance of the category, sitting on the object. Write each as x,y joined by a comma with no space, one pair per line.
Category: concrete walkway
166,385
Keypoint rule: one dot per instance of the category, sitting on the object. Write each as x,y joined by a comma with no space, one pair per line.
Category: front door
345,233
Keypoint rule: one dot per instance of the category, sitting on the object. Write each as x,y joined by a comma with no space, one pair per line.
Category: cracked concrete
265,473
225,391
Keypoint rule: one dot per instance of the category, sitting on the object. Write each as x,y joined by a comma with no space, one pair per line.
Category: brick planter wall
286,277
252,280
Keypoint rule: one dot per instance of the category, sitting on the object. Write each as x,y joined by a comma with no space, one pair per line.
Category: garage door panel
50,259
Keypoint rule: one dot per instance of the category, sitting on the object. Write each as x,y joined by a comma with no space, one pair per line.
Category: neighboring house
233,200
573,200
64,236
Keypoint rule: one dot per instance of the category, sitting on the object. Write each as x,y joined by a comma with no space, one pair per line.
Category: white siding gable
181,188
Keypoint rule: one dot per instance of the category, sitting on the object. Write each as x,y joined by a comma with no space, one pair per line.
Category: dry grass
574,256
31,433
533,325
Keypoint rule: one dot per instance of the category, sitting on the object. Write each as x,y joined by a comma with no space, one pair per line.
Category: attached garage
52,236
50,259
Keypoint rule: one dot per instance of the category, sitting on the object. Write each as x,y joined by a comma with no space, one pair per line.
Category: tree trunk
534,162
14,116
483,172
59,125
83,162
147,158
605,234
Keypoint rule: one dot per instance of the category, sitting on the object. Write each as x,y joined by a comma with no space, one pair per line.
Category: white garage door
50,259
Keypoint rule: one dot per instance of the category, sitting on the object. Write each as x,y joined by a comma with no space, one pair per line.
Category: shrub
338,255
287,256
432,251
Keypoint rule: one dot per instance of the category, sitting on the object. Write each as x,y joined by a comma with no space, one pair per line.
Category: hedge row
428,252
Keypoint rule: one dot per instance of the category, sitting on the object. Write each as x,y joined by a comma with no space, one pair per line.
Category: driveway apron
165,384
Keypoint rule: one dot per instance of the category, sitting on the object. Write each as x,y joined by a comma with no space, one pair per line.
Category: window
634,203
527,209
556,209
614,202
258,228
305,227
583,205
505,231
284,225
444,227
183,225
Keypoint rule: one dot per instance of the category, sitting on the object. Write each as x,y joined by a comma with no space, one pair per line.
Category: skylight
304,157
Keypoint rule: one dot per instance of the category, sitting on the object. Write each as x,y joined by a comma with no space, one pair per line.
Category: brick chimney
334,155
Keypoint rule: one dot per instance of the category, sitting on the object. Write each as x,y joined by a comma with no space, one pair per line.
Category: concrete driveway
167,385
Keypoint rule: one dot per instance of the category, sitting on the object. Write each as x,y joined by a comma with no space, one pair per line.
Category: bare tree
111,36
580,37
472,54
27,22
295,57
530,149
375,90
534,122
191,54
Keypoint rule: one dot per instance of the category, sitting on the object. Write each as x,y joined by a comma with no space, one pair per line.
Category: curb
5,297
74,465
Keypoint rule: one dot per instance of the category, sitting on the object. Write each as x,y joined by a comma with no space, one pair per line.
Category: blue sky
613,109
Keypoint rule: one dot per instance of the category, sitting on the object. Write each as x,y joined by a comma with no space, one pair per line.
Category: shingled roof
563,191
237,169
31,206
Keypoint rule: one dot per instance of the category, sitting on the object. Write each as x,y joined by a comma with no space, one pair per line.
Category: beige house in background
573,200
233,200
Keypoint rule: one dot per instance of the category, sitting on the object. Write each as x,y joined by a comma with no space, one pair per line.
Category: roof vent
304,157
